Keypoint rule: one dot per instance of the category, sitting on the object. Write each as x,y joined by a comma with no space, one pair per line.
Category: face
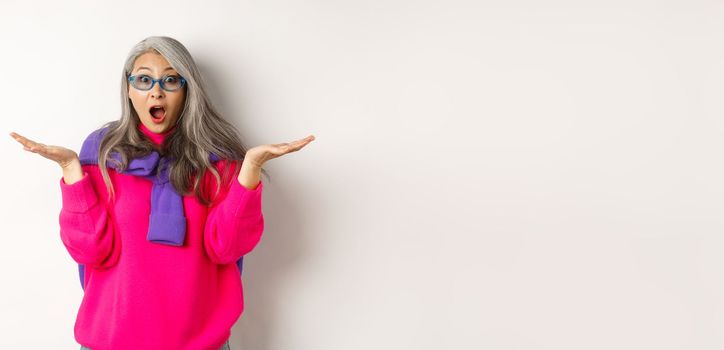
158,120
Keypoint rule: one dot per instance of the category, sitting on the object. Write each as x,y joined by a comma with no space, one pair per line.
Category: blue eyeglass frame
154,81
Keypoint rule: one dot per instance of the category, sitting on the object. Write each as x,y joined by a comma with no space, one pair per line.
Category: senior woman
159,232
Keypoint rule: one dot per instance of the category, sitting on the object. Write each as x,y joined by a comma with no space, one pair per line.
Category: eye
170,79
144,78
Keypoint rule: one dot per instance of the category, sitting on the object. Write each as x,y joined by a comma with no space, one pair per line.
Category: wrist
72,172
72,165
252,163
250,174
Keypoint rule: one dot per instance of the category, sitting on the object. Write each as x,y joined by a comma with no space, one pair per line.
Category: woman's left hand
249,176
258,155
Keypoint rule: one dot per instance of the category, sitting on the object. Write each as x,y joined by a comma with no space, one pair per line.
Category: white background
486,175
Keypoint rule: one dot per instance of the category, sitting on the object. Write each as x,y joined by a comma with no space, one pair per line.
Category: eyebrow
167,68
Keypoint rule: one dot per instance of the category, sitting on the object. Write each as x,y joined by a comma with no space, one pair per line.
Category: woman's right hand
66,158
61,155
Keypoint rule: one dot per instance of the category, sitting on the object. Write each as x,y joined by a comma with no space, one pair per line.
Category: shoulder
97,135
91,146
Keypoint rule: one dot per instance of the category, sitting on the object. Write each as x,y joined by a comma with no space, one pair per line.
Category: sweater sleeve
234,225
86,228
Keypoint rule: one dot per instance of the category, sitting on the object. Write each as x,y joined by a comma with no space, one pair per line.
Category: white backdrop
486,175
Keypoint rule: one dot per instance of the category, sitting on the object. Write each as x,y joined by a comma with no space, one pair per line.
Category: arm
235,223
86,228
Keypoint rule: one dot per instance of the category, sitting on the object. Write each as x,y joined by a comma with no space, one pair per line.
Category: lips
158,113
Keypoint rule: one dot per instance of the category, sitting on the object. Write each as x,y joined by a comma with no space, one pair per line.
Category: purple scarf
167,222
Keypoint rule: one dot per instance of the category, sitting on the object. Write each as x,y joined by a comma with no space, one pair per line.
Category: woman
159,248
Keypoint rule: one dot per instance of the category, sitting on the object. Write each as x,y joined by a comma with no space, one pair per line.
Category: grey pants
223,347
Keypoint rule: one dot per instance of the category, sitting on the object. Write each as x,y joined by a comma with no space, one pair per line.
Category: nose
156,91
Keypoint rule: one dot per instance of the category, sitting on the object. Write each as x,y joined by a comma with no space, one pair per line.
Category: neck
157,139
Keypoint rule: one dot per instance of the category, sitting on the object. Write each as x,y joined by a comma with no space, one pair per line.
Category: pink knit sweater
142,295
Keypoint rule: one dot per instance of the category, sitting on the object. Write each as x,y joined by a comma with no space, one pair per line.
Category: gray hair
200,128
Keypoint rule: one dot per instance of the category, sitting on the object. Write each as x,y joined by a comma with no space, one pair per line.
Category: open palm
61,155
260,154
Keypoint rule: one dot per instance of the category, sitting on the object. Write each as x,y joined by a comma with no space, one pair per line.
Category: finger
297,145
305,139
18,137
24,140
284,148
296,142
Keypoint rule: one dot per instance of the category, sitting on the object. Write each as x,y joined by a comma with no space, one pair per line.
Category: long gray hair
200,128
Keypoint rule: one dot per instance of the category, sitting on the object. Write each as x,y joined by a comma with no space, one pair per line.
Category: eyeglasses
167,82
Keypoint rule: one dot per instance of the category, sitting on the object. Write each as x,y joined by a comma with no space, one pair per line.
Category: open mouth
158,114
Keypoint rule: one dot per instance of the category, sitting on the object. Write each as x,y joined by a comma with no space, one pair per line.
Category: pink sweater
143,295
